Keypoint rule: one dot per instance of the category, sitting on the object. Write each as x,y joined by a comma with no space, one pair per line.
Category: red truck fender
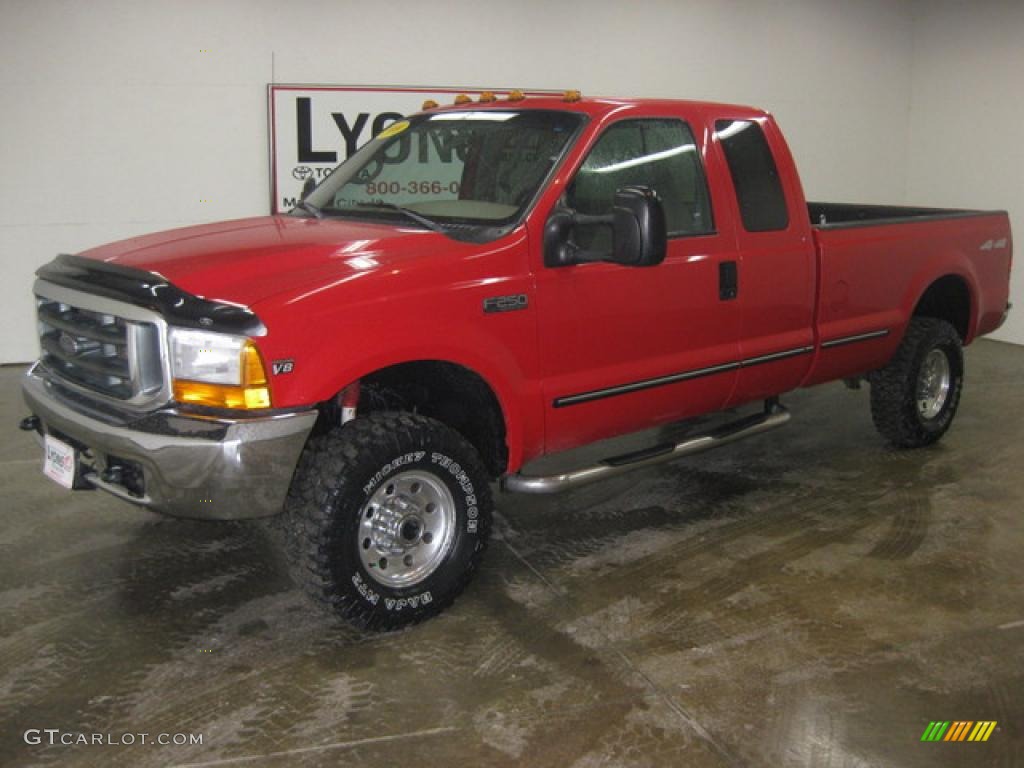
518,398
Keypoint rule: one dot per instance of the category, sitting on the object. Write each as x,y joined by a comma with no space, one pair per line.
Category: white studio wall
125,117
966,140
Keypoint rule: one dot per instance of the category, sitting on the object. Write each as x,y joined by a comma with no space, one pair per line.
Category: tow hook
29,424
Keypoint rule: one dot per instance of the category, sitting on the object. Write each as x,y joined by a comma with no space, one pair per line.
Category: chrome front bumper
214,469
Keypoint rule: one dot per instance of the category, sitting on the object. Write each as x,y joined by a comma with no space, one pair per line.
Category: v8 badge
282,366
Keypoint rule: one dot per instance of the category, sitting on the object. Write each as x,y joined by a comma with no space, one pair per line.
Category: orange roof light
429,104
572,96
462,99
487,97
515,95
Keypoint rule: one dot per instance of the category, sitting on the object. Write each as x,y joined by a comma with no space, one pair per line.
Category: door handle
728,280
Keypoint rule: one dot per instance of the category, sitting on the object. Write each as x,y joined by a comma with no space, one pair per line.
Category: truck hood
248,260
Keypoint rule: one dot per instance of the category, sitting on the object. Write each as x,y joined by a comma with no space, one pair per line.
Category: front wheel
915,397
387,518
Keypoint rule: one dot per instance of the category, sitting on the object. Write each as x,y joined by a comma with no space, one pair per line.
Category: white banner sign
313,128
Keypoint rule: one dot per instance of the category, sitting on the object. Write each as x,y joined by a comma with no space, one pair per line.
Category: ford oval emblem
68,344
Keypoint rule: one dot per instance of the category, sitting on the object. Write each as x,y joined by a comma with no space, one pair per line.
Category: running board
773,417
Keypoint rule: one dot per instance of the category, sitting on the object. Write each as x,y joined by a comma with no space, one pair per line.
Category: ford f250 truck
478,286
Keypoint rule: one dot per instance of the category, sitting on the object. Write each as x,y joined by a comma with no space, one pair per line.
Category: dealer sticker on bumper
58,461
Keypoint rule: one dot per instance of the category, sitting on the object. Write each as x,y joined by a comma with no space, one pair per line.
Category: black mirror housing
638,232
559,250
638,227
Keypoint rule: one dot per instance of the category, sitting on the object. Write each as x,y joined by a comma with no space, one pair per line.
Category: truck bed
875,262
837,215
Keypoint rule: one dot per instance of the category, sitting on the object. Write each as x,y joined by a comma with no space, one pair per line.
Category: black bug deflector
152,291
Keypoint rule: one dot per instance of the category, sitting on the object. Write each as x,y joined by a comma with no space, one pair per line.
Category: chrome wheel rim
406,529
933,382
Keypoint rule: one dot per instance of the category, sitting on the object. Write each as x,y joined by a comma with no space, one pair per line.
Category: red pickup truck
478,286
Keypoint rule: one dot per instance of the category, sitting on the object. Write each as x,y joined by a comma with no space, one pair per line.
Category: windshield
472,167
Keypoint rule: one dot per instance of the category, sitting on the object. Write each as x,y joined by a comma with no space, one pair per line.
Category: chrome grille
101,352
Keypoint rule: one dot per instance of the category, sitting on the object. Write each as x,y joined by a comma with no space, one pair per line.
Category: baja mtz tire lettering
408,602
371,597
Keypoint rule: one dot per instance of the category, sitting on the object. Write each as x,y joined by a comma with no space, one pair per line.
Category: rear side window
660,154
754,175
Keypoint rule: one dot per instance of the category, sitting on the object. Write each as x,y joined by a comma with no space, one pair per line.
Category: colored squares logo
958,730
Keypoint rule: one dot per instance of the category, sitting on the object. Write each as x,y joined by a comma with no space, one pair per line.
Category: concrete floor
810,598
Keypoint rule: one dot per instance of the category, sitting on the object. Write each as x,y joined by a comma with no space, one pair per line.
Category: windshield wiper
307,206
418,218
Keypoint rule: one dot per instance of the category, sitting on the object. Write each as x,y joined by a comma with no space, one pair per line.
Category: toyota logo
302,172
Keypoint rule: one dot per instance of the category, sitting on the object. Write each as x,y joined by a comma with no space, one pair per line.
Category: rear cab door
775,262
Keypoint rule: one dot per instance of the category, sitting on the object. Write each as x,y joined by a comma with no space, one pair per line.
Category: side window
754,175
660,154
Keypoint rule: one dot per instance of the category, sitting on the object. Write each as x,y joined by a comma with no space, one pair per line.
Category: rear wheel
915,397
387,518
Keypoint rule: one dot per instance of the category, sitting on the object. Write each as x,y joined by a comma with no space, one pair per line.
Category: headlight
218,370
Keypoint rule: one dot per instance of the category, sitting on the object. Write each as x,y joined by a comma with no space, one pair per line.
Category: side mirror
638,232
559,250
308,186
638,227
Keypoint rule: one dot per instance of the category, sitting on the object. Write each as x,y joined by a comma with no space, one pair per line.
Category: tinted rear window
754,175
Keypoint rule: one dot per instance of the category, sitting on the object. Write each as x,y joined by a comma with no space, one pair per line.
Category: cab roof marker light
429,104
572,96
515,95
462,99
487,97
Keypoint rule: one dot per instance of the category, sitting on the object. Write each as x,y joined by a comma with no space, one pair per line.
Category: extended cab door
775,258
625,348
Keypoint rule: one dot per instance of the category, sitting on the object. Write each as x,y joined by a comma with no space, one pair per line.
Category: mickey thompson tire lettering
472,511
338,475
388,468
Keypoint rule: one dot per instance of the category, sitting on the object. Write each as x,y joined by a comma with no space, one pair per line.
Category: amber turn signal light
251,394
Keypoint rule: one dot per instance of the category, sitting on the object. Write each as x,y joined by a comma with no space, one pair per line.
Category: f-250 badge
506,303
283,366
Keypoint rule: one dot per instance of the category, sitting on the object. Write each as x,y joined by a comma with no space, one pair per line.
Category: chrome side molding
774,416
